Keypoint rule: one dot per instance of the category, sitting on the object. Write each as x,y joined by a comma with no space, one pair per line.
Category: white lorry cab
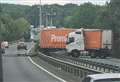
75,42
107,77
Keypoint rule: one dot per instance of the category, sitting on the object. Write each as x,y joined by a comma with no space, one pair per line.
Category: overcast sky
62,2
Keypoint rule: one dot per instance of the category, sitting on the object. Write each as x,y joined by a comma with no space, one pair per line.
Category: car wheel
18,48
25,48
3,51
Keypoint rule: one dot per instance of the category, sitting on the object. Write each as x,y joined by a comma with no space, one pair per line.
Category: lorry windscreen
70,40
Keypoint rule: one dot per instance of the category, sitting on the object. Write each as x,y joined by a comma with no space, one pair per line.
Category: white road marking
46,70
40,67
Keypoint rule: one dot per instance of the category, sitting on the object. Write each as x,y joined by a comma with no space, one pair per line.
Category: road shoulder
56,71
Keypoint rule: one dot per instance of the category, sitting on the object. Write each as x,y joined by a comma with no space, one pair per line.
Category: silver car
21,45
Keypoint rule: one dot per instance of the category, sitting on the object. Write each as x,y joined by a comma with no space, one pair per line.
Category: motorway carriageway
21,69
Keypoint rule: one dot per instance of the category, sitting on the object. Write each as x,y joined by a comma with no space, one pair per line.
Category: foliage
32,14
22,25
15,11
12,28
6,27
113,22
84,16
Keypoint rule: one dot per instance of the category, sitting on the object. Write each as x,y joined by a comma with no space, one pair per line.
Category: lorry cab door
79,40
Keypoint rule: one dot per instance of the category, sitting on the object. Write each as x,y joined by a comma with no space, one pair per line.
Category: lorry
97,42
53,38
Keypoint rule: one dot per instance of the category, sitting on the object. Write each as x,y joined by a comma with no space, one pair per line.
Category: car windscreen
108,80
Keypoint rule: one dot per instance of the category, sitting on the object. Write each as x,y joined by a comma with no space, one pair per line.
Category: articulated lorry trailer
97,42
53,38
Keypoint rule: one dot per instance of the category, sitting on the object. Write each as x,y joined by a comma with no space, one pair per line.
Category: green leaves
32,15
6,25
12,21
22,25
12,29
85,16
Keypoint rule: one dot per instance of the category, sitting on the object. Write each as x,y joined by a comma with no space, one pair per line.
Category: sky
61,2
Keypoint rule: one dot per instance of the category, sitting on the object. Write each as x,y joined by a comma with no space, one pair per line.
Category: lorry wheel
25,48
7,46
69,54
3,51
75,54
18,48
92,55
103,57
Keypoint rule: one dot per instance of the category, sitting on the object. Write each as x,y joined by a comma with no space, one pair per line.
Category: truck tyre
103,57
18,48
92,55
3,51
69,54
75,53
25,48
7,47
103,54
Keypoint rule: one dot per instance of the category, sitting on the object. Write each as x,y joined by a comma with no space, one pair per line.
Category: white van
5,44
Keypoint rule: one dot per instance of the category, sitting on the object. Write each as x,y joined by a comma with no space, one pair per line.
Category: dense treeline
86,15
13,24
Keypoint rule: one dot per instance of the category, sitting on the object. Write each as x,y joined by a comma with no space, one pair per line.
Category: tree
1,29
109,18
0,8
32,14
15,11
22,26
113,12
27,35
12,28
7,26
83,16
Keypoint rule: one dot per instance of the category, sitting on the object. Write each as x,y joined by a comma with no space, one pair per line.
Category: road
20,69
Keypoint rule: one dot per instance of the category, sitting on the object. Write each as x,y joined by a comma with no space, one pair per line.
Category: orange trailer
54,38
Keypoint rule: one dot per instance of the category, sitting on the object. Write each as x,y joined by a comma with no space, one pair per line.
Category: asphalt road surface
20,69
